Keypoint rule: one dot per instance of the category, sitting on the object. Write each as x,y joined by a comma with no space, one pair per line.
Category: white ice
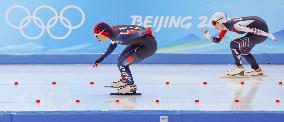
257,94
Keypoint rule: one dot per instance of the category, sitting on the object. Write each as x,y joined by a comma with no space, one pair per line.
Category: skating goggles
215,22
99,33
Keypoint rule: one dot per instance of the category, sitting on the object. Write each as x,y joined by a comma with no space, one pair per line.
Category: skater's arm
215,39
242,26
110,49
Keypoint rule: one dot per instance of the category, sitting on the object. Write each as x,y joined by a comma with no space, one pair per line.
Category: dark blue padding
156,59
230,117
94,116
148,116
5,117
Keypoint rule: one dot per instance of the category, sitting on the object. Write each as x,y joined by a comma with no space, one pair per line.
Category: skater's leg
256,69
148,49
236,52
252,41
137,54
145,49
251,60
128,49
124,69
244,50
123,65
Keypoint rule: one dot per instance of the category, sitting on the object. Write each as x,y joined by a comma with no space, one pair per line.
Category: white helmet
219,17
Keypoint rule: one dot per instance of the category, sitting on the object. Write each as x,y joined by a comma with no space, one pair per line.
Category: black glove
99,60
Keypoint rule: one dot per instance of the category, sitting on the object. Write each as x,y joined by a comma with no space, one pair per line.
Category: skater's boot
239,70
254,73
127,89
119,83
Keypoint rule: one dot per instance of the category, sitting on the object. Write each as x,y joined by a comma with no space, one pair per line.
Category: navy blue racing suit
254,29
140,43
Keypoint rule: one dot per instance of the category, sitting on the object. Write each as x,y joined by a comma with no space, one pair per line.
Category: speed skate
126,94
127,90
240,76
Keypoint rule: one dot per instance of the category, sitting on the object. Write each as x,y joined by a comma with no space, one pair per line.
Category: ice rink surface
186,89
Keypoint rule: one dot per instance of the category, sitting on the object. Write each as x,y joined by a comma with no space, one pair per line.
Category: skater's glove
272,37
207,35
99,60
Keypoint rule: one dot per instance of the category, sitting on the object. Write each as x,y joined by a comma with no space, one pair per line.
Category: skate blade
233,76
110,87
125,94
241,76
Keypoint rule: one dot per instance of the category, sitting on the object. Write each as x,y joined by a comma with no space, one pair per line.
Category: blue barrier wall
156,59
5,117
144,116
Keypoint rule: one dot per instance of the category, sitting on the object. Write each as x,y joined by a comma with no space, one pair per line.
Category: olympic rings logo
40,23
